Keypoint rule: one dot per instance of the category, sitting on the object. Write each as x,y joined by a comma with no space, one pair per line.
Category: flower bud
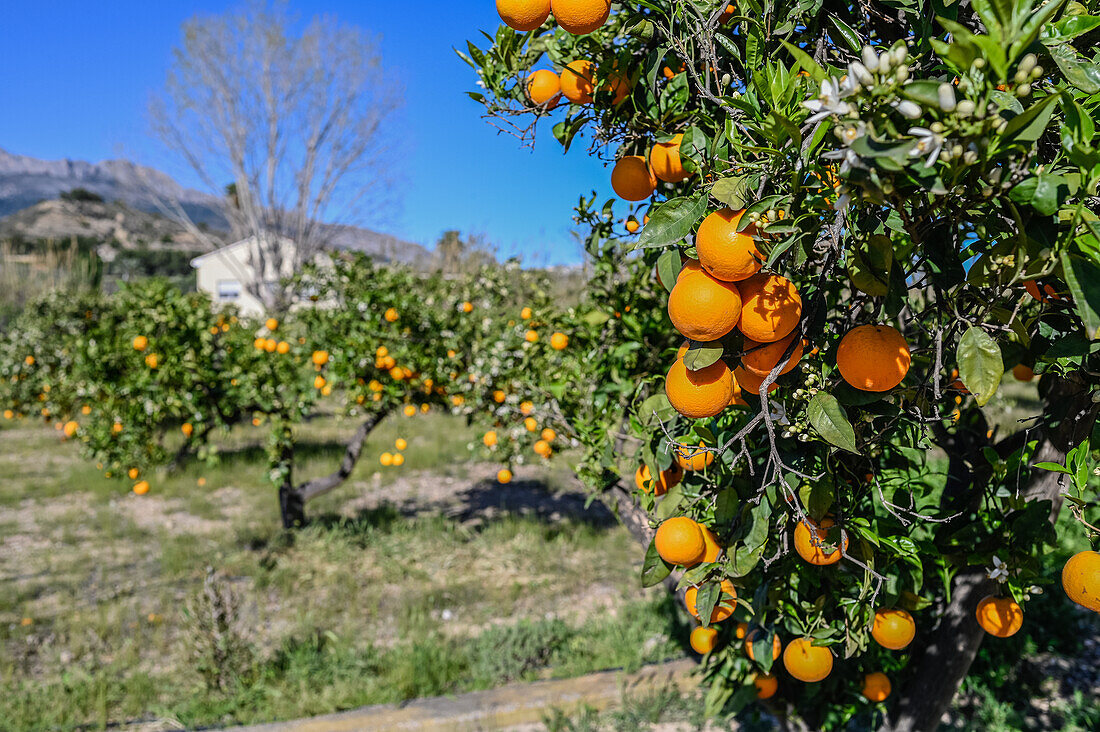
901,74
1023,90
860,73
965,108
964,84
1021,76
899,53
970,157
909,110
979,63
937,127
884,63
1036,72
957,151
726,79
870,60
1027,63
946,94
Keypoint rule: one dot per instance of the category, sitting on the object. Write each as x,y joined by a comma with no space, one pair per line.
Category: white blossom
999,572
828,102
927,143
847,157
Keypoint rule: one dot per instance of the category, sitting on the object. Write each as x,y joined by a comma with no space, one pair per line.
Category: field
412,581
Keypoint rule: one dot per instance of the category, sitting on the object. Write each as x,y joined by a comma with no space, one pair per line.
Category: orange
542,447
187,428
386,459
531,424
873,357
580,16
390,315
116,428
726,253
559,341
152,360
409,410
761,358
631,178
577,81
320,358
770,307
876,686
140,342
29,360
1023,372
751,641
807,662
667,479
499,396
695,459
703,308
271,323
679,540
319,382
1081,580
489,438
398,460
619,84
141,487
699,394
504,475
803,542
70,428
282,348
531,336
713,548
722,609
544,87
525,313
893,629
548,434
1000,616
525,408
664,158
703,640
467,307
727,13
750,382
766,686
632,226
523,15
400,443
736,400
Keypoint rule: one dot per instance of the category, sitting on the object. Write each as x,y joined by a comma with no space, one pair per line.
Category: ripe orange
761,358
282,348
1081,580
320,358
766,686
319,382
499,396
504,475
619,84
544,87
664,158
770,307
695,459
386,459
141,487
400,443
409,410
710,541
70,428
525,313
873,357
187,428
577,81
876,686
523,15
398,460
699,394
467,307
631,178
29,360
548,434
542,447
116,428
754,638
140,342
489,438
632,226
807,662
727,13
679,540
531,424
152,360
525,408
531,336
723,251
803,542
722,609
703,308
559,341
893,629
660,486
703,640
581,16
1000,616
271,324
750,382
1023,372
390,315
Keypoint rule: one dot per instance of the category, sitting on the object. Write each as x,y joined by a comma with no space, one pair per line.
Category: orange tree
863,215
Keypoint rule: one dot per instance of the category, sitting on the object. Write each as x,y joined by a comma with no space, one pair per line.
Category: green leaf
656,407
670,504
828,418
1053,467
806,61
1083,277
847,34
669,265
654,569
869,268
980,364
1073,26
671,221
700,355
733,192
1028,126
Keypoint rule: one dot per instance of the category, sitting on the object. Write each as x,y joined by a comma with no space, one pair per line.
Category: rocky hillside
112,223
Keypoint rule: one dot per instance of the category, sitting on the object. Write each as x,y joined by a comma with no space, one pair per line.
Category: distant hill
30,208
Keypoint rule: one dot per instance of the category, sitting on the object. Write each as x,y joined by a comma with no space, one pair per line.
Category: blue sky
75,79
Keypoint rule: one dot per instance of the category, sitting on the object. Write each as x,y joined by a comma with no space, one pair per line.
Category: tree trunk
292,499
943,658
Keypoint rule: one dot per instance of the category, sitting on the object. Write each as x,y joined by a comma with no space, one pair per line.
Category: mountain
30,208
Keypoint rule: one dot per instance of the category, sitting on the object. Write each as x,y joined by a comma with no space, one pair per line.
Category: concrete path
507,707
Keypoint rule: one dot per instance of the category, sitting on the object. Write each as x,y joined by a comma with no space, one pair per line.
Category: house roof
197,261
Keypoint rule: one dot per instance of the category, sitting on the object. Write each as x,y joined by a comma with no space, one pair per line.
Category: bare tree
293,116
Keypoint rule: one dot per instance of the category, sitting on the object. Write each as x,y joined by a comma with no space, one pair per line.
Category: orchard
856,219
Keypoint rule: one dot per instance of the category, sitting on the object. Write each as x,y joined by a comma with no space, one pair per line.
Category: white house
227,273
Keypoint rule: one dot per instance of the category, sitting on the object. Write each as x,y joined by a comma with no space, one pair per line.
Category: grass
410,581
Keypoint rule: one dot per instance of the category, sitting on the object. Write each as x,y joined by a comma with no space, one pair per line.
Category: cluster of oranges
575,16
396,459
543,447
